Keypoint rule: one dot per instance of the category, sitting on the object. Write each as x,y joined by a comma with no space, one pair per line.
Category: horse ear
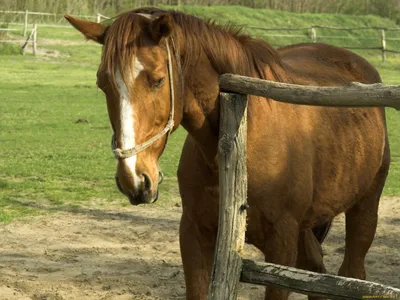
162,27
91,30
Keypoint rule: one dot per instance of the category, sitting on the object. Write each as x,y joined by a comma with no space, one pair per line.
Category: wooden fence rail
311,283
356,94
233,194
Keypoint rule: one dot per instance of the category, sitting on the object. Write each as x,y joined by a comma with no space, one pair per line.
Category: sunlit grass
49,159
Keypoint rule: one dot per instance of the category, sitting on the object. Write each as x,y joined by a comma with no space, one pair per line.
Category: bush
10,49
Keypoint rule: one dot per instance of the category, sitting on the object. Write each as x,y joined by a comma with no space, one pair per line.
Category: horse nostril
147,182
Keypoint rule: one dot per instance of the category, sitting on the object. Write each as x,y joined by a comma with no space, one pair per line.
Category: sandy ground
133,253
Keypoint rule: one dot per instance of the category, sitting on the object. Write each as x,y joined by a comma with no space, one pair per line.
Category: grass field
46,158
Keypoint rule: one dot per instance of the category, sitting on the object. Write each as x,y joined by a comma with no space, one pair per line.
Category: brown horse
305,164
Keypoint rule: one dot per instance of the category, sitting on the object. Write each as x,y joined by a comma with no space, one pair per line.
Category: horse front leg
281,240
199,190
197,251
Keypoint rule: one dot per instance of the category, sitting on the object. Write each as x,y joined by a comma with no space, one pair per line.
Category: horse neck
200,115
201,105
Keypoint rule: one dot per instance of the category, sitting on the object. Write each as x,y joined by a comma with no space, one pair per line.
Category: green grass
49,160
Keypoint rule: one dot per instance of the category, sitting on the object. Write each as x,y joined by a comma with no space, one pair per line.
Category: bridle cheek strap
125,153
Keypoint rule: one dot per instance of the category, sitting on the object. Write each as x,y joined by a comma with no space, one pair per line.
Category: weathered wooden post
26,22
233,197
383,40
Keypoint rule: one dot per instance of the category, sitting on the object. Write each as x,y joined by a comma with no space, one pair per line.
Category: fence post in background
34,42
227,265
383,39
314,34
26,22
98,18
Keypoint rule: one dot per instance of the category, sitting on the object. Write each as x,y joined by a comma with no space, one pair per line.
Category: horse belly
318,171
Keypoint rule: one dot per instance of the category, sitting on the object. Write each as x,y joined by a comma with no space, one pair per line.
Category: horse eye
158,84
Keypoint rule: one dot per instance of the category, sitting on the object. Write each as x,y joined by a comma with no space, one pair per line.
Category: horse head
136,76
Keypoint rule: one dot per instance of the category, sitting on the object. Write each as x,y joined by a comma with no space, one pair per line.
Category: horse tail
321,231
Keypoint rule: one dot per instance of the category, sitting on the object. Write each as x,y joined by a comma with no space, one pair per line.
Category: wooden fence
24,41
56,18
381,39
229,268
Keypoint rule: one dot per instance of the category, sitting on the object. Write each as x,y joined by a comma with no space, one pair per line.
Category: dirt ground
133,253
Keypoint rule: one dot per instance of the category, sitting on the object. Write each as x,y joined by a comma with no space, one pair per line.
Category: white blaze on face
127,117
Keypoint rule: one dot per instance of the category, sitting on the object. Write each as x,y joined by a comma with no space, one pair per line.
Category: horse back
322,64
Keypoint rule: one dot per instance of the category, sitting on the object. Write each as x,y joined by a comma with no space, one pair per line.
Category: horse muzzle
144,195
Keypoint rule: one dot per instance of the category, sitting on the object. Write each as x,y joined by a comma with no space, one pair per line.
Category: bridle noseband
125,153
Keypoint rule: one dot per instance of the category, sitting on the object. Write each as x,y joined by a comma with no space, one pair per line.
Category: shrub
10,49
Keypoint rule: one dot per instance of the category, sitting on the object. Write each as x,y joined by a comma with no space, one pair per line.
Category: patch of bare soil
64,42
133,253
46,53
43,42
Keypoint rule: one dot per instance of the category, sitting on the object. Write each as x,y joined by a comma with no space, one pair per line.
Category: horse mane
227,47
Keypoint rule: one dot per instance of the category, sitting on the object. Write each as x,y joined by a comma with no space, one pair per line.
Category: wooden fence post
233,198
314,34
26,22
383,39
34,41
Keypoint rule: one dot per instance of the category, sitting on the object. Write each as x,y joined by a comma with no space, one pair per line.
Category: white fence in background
56,17
311,32
380,38
32,37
